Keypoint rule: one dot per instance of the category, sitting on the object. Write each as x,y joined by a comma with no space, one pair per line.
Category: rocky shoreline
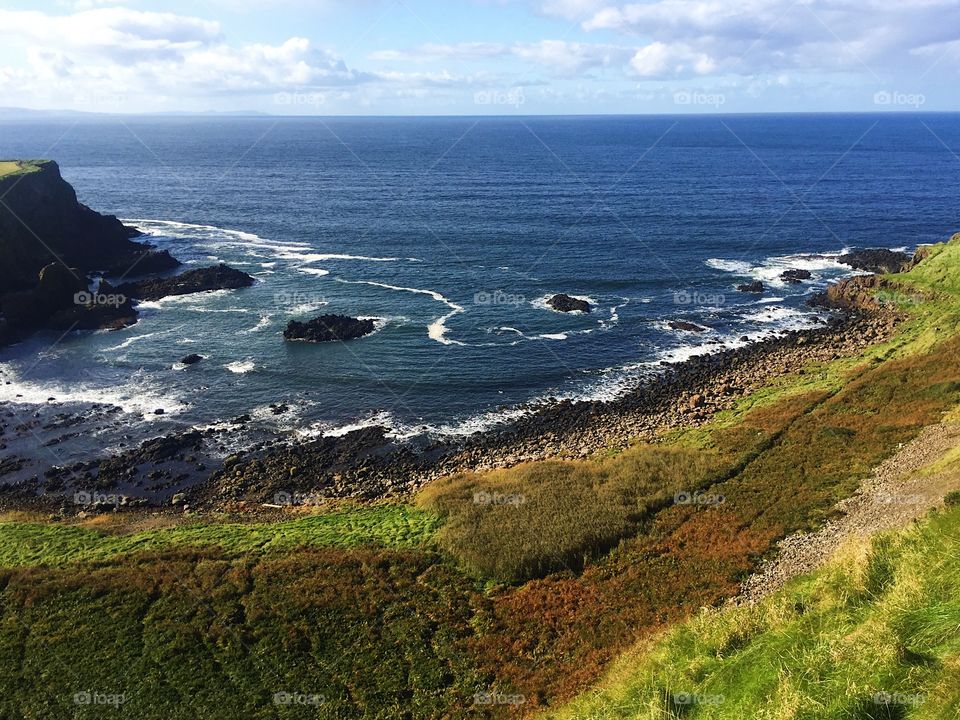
180,472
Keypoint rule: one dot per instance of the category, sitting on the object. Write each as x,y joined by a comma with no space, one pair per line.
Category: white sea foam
131,397
769,270
436,330
319,272
241,367
263,323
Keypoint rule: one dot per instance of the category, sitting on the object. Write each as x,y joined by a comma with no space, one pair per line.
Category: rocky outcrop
565,303
42,222
752,287
877,260
218,277
50,246
191,359
327,328
795,277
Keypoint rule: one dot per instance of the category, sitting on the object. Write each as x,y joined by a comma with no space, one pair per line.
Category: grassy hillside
876,634
525,583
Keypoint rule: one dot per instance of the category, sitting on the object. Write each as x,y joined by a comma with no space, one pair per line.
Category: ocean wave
263,323
241,367
771,268
319,272
436,330
131,397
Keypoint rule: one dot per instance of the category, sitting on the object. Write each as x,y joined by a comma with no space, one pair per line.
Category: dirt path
891,498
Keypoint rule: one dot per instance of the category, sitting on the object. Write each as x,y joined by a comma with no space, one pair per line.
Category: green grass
17,167
397,526
873,635
539,518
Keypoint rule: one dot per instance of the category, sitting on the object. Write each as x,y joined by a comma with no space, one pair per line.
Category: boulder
191,359
795,276
751,287
565,303
327,328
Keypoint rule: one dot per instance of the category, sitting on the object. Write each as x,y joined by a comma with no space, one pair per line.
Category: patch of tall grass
538,518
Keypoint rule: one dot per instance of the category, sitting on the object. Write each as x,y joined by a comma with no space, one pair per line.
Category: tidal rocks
795,277
218,277
877,260
191,359
751,287
327,328
686,326
565,303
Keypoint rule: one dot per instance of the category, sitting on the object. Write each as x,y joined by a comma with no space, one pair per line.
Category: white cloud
689,37
112,52
557,56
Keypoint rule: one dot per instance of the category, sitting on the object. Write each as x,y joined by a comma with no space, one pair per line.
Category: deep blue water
472,222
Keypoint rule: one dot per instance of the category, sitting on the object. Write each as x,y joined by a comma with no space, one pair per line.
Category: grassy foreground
34,543
876,634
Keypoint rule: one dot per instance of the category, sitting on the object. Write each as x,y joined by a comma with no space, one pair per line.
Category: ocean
452,233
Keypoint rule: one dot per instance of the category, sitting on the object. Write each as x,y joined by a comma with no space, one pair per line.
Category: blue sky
474,57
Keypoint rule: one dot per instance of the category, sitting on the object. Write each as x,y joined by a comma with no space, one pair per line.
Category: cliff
50,244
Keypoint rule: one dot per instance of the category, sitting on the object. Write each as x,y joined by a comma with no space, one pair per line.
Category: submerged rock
564,303
688,326
327,328
752,287
191,359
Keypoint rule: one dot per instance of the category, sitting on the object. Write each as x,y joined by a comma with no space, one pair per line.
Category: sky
478,57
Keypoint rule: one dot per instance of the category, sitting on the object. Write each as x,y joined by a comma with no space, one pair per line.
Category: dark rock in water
191,359
565,303
159,411
327,328
688,326
795,276
141,262
218,277
877,260
752,287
